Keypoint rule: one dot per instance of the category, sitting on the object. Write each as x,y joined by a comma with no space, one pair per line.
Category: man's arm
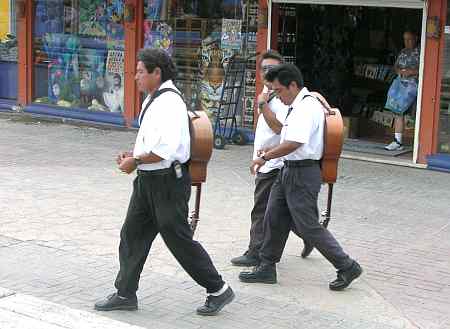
268,115
129,164
271,119
281,150
150,158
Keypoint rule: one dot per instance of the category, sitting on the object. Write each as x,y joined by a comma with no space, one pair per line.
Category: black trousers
293,201
159,204
263,186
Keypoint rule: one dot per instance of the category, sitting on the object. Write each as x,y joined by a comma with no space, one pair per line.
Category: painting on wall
158,35
95,15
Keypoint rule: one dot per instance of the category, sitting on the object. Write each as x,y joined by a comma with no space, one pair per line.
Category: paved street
62,203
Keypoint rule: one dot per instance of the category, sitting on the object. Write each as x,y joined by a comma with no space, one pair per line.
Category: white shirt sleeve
301,122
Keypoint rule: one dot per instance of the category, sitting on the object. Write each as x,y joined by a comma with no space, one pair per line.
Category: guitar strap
327,111
158,93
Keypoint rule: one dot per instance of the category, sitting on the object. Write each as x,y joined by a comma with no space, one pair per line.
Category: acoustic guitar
201,151
333,138
201,145
333,142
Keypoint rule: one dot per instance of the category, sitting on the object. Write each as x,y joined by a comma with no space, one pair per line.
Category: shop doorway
348,54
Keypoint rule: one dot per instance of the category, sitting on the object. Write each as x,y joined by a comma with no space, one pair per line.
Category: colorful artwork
49,17
115,61
115,36
212,75
95,15
231,34
63,70
93,18
154,9
158,35
114,95
115,10
70,20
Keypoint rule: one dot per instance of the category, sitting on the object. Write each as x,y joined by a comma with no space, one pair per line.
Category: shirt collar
167,84
303,92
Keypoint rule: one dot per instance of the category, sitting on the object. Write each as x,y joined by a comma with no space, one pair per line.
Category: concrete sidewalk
262,306
62,204
19,311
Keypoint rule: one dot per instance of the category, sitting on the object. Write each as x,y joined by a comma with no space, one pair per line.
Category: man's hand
256,164
262,98
128,165
262,151
408,72
122,156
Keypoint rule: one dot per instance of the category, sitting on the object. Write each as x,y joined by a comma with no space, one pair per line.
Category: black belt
164,171
301,163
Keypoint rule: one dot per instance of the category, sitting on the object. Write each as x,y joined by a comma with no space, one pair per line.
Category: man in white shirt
161,191
267,135
293,199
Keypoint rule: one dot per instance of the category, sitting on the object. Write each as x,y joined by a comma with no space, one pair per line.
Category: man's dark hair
272,54
410,31
285,74
153,58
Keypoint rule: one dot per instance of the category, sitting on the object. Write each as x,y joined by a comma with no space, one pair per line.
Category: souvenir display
8,48
212,75
113,95
115,36
158,35
93,18
231,34
49,17
81,44
154,9
8,52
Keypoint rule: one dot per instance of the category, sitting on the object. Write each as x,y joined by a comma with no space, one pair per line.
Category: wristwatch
138,161
264,157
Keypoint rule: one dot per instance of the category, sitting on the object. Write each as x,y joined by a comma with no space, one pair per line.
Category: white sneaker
394,146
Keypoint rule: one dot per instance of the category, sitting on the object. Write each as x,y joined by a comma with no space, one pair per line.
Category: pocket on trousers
308,178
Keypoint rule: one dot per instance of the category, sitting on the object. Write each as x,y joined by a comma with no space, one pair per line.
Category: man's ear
157,71
292,85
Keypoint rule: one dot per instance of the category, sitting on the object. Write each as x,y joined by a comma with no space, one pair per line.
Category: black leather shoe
116,302
246,259
344,278
264,273
307,249
214,304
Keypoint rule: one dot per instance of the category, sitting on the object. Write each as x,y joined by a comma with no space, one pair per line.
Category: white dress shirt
265,137
305,125
164,130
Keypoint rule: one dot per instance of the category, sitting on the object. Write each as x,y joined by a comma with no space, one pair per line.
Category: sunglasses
267,68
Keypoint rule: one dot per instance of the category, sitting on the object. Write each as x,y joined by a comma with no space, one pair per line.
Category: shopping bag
401,95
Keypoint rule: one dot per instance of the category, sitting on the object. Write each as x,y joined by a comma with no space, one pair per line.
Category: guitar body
333,142
201,146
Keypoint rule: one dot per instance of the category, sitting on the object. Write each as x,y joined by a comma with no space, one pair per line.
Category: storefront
78,57
346,49
440,120
8,55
